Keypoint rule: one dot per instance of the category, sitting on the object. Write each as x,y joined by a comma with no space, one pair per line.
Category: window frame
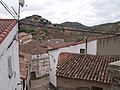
82,51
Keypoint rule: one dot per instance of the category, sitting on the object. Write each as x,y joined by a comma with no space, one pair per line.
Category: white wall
91,49
41,56
40,64
7,83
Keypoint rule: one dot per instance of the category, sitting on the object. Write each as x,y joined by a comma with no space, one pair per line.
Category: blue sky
87,12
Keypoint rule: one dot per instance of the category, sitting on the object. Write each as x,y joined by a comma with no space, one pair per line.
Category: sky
87,12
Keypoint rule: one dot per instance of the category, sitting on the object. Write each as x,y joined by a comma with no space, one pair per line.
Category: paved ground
40,84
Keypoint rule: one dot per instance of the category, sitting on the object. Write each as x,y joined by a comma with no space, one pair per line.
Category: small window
33,75
97,88
10,71
37,55
82,50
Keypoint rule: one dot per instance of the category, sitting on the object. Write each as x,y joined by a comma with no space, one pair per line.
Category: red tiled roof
6,26
85,67
24,60
33,48
59,45
51,41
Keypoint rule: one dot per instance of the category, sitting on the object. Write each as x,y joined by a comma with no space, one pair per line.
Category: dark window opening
10,70
33,75
82,50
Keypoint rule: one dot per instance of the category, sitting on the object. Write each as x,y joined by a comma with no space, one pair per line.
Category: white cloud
58,11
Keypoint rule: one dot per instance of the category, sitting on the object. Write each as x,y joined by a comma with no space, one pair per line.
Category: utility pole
85,44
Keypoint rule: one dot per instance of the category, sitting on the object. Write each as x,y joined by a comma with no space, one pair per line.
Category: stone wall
73,84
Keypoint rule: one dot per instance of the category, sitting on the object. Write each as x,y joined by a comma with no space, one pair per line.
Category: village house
9,55
84,72
40,64
24,61
39,59
98,46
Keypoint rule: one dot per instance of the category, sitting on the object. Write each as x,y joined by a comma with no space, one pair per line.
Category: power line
81,10
8,9
77,30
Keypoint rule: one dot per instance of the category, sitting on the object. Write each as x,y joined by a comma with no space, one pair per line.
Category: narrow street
40,84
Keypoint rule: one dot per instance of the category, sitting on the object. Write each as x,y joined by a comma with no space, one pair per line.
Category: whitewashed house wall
91,49
9,48
40,64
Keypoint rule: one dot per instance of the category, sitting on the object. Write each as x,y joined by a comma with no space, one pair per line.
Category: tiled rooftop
59,45
6,26
24,62
51,41
33,48
85,67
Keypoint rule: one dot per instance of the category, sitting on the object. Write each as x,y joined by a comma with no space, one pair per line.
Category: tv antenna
21,4
8,9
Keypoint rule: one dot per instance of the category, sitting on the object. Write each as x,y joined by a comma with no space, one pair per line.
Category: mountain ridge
38,27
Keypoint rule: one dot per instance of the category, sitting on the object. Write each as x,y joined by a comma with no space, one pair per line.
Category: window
10,71
97,88
82,50
33,75
37,55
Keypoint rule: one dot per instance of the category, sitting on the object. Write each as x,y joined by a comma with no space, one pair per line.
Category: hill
73,25
107,27
38,27
42,29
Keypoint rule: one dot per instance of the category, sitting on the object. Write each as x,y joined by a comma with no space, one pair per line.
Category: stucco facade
40,65
9,62
72,49
103,46
108,46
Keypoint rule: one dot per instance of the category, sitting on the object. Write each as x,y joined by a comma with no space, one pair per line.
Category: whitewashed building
73,48
39,59
9,57
101,46
40,65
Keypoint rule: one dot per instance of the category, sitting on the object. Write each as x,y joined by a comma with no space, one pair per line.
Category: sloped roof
85,67
33,48
6,26
59,45
51,41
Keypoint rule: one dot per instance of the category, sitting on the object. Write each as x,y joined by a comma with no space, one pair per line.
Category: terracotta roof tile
85,67
51,41
6,26
33,48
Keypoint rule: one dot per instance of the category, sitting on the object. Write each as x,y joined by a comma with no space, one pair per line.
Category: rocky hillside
38,27
107,28
73,25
